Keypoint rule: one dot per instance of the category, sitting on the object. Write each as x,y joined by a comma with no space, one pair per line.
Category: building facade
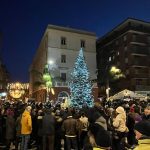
59,48
4,75
127,47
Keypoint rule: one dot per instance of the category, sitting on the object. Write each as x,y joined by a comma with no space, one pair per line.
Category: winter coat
70,127
120,123
102,121
10,127
48,124
39,124
84,123
18,125
143,144
26,123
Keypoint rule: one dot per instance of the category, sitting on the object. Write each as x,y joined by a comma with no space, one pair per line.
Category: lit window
63,41
118,53
63,76
82,43
63,58
109,58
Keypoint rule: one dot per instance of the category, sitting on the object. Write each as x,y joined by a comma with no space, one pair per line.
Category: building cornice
121,26
68,29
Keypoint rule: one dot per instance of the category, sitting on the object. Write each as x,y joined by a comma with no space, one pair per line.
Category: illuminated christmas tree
80,85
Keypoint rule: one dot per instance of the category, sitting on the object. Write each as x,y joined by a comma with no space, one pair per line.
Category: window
148,39
63,58
138,81
63,76
127,72
117,42
63,41
125,38
118,63
82,43
109,58
118,53
126,60
125,48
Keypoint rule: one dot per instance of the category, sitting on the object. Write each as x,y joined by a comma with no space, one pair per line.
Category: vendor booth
127,95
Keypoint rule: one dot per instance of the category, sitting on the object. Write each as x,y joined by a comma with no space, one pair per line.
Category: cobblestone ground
3,147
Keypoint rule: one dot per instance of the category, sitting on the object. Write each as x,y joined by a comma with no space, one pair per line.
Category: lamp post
115,74
47,80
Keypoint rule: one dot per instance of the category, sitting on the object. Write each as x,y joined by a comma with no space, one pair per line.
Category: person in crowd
10,127
146,115
84,123
2,126
39,128
48,130
119,123
18,130
70,129
58,132
34,127
98,138
26,127
133,117
142,131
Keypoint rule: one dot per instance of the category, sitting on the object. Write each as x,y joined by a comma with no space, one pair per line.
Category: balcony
61,84
139,51
139,39
140,75
142,88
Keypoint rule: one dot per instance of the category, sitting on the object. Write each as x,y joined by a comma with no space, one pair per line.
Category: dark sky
23,23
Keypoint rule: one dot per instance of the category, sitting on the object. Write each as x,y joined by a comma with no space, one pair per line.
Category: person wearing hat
142,132
119,124
26,127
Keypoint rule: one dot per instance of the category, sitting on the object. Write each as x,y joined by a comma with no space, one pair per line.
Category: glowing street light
47,80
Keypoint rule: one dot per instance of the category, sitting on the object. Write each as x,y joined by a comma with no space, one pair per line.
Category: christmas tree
80,85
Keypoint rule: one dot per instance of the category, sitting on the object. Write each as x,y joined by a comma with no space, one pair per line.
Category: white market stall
127,95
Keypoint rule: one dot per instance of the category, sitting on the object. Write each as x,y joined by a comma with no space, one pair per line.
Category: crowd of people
114,125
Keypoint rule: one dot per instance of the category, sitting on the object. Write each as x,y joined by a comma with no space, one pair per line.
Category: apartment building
127,47
4,75
59,48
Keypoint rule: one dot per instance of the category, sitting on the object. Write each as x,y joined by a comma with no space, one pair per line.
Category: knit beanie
143,127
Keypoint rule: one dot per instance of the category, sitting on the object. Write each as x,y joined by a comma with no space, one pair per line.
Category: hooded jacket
26,123
120,121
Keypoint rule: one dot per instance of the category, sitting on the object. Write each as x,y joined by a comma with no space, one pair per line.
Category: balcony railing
143,51
61,84
139,39
140,63
142,88
140,75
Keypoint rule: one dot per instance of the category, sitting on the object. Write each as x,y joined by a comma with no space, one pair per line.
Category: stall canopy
127,95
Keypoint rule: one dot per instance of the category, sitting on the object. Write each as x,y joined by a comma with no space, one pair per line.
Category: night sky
23,22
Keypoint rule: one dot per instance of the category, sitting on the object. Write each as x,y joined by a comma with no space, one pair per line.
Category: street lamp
47,80
115,74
